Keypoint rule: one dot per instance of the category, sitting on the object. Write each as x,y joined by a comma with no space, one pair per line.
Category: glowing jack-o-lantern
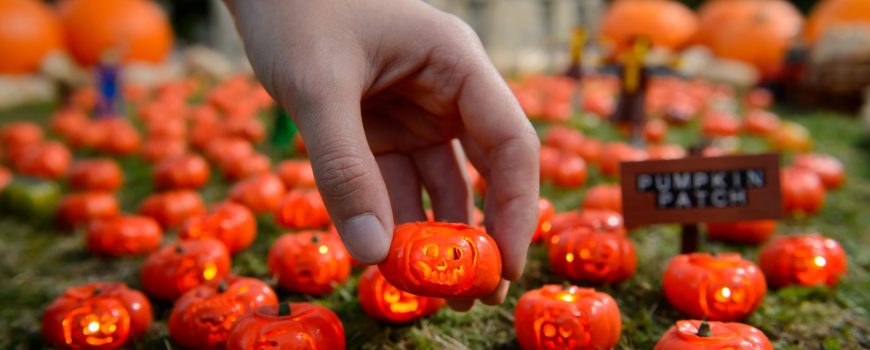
232,224
287,326
442,260
383,301
302,209
545,217
96,316
202,317
555,317
720,288
598,220
180,267
694,334
804,259
309,262
583,254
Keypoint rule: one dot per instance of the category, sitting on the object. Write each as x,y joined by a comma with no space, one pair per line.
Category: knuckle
340,172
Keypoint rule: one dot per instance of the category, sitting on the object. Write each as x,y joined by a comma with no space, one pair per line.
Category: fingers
498,295
460,305
403,187
443,172
347,174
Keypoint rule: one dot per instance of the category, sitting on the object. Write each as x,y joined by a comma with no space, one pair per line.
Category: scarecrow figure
630,112
108,84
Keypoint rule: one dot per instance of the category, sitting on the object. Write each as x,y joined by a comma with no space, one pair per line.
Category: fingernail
366,239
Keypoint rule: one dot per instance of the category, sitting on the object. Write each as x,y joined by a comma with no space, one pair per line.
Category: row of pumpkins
214,308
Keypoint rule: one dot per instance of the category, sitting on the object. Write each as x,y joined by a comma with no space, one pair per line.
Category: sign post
696,190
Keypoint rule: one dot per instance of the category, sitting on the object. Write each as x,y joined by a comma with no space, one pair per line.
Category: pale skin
392,96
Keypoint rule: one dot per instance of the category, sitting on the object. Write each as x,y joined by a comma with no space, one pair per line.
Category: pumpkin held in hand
182,266
309,262
96,316
383,301
720,288
555,317
202,317
443,260
694,334
287,326
584,254
805,260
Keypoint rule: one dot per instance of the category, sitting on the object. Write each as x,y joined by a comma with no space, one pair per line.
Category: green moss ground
38,262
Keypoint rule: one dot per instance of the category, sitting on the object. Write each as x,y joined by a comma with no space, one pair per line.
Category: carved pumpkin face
383,301
203,317
302,209
289,326
96,316
177,268
806,260
442,260
309,262
725,287
555,317
232,224
583,254
689,334
545,217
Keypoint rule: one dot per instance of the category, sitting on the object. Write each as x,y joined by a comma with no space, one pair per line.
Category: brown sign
701,189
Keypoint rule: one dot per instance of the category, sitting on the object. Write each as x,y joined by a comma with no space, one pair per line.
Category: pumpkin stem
179,249
222,287
284,309
704,329
97,291
566,285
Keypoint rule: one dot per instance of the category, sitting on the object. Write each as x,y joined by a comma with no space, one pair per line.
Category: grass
37,262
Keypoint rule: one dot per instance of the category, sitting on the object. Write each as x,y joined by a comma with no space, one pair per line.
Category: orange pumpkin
717,124
829,169
232,224
5,177
557,317
791,137
96,175
222,150
68,123
29,31
831,14
124,235
744,232
606,197
665,151
667,24
571,171
758,98
18,137
242,168
309,262
292,325
80,208
172,208
564,138
802,191
117,136
155,150
617,152
760,122
584,254
260,193
545,214
302,208
720,288
697,335
383,301
757,32
591,150
188,171
179,267
296,173
655,130
138,29
442,260
806,260
550,159
49,160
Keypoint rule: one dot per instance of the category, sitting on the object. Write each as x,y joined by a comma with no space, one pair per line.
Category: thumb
347,175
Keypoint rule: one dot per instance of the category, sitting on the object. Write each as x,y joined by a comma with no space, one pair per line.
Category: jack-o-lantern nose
441,265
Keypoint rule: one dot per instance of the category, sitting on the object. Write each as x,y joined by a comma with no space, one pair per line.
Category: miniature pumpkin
583,254
138,29
761,123
802,191
717,124
260,193
806,260
563,138
791,137
667,24
116,136
80,208
591,150
695,334
743,232
302,209
597,220
5,177
383,301
606,197
230,223
221,150
96,175
655,130
188,171
758,98
296,173
49,160
309,262
617,152
157,149
79,318
571,171
179,267
30,32
720,288
287,326
244,167
18,137
124,235
172,208
831,14
202,317
665,151
545,214
555,317
442,260
550,158
829,169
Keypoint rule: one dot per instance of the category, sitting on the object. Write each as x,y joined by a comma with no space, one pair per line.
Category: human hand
389,96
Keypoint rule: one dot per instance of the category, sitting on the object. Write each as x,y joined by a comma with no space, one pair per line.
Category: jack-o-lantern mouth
441,275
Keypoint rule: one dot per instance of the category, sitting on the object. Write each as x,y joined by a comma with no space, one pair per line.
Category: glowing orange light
323,249
210,271
569,257
820,261
546,226
567,297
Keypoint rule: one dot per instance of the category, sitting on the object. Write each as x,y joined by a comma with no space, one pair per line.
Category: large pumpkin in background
29,30
138,29
668,24
833,13
757,32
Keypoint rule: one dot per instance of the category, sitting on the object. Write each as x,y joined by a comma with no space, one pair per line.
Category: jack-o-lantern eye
565,331
392,295
549,330
430,250
454,253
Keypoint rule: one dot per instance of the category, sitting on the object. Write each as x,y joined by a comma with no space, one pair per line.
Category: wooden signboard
701,189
